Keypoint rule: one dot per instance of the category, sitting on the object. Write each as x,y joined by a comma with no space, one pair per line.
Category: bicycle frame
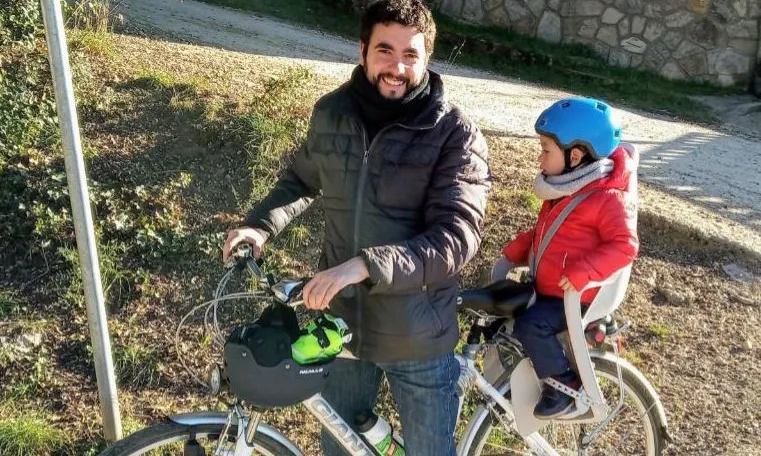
354,445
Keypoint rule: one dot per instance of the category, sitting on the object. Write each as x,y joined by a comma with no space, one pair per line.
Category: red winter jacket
597,238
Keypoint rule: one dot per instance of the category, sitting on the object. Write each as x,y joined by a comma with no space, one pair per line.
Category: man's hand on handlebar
328,283
253,236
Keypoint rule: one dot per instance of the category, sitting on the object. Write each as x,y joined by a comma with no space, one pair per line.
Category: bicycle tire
655,437
159,436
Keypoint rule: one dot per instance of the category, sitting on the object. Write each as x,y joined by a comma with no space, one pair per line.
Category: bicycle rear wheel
637,430
168,439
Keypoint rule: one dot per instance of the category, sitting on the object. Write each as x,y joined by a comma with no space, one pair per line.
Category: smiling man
403,179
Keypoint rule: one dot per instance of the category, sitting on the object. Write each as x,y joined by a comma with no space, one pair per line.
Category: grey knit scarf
553,187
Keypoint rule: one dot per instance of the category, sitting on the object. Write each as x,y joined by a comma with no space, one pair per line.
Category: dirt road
705,178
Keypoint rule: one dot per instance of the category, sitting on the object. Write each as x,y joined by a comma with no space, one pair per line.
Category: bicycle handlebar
287,291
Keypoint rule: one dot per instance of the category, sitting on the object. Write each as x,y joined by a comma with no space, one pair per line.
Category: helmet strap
567,158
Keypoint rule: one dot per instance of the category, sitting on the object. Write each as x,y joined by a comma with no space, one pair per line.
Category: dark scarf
377,111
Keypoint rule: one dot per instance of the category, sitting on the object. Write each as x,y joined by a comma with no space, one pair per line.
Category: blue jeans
425,393
536,329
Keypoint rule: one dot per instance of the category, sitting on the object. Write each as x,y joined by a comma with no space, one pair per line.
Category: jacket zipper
357,216
363,174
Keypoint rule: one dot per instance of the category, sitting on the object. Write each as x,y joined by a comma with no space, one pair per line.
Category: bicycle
617,410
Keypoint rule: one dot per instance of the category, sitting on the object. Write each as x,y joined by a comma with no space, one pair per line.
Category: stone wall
704,40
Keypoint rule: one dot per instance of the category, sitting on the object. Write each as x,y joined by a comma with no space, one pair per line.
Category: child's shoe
554,403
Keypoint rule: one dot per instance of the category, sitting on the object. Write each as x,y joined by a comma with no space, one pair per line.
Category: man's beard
409,86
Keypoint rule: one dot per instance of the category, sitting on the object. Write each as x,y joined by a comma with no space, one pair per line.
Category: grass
574,68
531,201
38,373
10,304
137,366
29,435
271,127
659,330
112,276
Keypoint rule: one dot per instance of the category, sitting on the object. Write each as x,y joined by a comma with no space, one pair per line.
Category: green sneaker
322,339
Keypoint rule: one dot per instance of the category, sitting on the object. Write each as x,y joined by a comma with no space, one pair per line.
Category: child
580,154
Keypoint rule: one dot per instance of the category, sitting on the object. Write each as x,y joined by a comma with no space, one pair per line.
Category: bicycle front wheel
637,430
169,438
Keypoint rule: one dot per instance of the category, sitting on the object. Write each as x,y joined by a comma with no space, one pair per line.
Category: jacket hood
623,168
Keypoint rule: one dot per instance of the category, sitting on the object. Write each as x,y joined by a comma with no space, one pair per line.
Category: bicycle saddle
505,298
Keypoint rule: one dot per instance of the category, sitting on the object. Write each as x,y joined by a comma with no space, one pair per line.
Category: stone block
586,8
653,10
492,4
695,64
452,7
630,6
601,49
638,24
725,80
624,27
608,34
724,9
634,45
745,46
525,26
687,48
727,61
673,38
656,55
536,7
588,28
741,6
520,17
669,6
704,32
743,29
619,58
754,10
554,5
612,16
498,17
653,31
671,70
472,11
550,28
678,19
637,61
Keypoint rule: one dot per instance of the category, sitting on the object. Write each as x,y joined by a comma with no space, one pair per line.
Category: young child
580,153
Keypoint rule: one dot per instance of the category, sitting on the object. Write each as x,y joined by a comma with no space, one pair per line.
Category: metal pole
83,225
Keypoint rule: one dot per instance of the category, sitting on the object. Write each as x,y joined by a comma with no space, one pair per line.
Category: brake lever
254,266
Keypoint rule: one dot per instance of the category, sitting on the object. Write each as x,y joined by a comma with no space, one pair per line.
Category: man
403,178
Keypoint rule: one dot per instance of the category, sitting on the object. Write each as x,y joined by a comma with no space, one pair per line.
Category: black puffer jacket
411,204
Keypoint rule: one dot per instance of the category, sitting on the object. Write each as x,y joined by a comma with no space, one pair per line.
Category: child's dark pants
536,329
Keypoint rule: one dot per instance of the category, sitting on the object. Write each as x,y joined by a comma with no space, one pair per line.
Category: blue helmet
582,122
